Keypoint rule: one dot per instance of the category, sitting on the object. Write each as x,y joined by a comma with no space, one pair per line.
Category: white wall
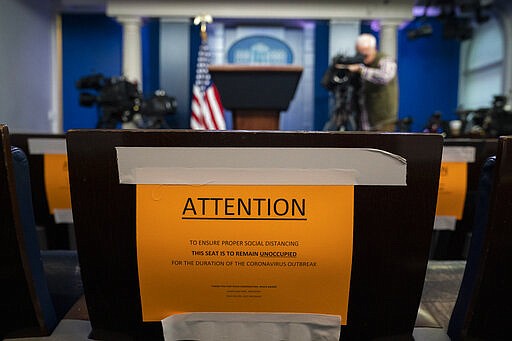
482,66
27,30
504,15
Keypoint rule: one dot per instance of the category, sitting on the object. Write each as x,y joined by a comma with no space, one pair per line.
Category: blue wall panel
150,36
322,61
428,72
90,44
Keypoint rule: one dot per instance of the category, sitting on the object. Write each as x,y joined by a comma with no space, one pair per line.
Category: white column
388,37
132,48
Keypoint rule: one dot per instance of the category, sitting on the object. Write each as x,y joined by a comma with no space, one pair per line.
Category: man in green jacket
379,92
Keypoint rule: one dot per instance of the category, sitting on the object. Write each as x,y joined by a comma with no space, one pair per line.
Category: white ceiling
283,9
90,6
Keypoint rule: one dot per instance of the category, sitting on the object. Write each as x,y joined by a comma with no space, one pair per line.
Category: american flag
207,110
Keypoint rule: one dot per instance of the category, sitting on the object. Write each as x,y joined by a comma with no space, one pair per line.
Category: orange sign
56,181
452,189
244,249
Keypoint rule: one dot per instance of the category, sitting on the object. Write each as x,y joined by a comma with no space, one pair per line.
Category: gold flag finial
203,20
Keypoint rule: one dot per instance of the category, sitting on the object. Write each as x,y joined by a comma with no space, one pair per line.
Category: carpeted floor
442,283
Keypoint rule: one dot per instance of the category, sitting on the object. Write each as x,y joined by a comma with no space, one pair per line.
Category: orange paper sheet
452,189
244,249
56,181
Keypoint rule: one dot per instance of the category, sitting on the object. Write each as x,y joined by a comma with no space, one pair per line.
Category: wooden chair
27,309
484,304
452,245
57,234
37,288
392,227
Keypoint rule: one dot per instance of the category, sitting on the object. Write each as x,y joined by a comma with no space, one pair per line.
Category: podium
256,95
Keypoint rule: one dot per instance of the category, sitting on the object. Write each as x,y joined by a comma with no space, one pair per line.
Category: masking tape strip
260,166
41,146
63,215
459,154
445,222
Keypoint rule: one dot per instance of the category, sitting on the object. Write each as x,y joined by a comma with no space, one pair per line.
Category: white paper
459,154
41,146
445,222
63,215
251,327
260,166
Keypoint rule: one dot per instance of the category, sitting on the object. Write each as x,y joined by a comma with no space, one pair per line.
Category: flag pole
206,108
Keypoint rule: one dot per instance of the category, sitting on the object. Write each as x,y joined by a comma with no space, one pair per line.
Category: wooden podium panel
392,226
256,94
255,119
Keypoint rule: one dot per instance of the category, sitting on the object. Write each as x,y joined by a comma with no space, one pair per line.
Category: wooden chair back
392,226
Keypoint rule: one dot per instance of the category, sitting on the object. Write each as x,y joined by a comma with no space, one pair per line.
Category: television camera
338,74
487,122
345,86
120,101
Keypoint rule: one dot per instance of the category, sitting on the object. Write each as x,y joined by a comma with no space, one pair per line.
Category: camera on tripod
344,86
338,74
155,110
119,100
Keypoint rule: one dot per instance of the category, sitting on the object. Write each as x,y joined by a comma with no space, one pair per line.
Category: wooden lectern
256,94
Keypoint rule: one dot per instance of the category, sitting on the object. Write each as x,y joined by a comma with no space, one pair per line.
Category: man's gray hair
366,40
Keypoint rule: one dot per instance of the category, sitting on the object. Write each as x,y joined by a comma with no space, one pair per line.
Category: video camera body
336,76
119,100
